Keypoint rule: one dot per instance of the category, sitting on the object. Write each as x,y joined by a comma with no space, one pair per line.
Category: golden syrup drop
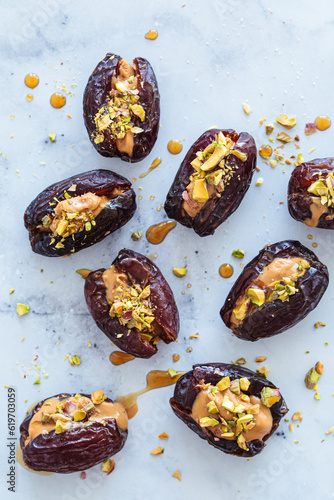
119,358
226,270
57,100
31,80
158,232
154,165
30,97
322,122
265,151
151,35
174,147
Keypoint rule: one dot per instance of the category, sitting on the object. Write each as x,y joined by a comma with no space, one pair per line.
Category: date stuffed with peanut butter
311,193
232,408
122,108
276,290
68,433
132,303
212,180
78,212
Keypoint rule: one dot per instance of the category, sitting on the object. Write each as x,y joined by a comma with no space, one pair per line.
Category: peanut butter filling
60,415
317,210
230,413
211,174
277,281
122,106
131,304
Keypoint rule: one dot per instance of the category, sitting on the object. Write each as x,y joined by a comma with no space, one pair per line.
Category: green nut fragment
46,417
84,272
79,415
98,397
215,177
286,122
224,383
270,396
242,442
300,158
61,427
228,404
262,371
269,128
108,466
208,422
172,373
257,296
52,136
317,396
240,361
212,407
235,386
214,159
318,188
179,272
259,181
199,191
76,360
22,309
245,419
238,254
283,137
136,235
244,383
239,154
240,312
311,378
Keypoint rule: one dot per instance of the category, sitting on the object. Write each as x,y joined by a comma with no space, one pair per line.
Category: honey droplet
158,232
155,164
226,270
57,100
265,151
30,97
174,147
322,122
119,358
151,35
31,80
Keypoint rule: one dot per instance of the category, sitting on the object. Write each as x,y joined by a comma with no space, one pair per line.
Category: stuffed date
276,290
311,193
232,408
78,212
68,433
132,303
122,108
212,180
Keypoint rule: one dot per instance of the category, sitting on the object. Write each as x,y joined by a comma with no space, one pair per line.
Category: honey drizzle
158,232
119,358
154,165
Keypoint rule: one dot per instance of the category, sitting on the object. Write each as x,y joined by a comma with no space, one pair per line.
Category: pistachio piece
238,254
245,419
52,136
163,435
22,309
318,188
172,373
76,360
319,368
240,361
270,396
84,272
46,417
257,296
228,404
227,435
317,396
215,177
177,475
61,426
98,397
259,181
235,386
283,137
241,312
199,191
108,466
246,108
300,158
311,378
212,407
224,383
138,111
242,442
219,153
157,451
208,422
79,415
244,383
269,128
286,122
238,154
136,235
262,371
180,272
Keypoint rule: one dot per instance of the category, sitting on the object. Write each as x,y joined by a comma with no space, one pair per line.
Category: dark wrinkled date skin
300,200
96,95
186,391
141,270
73,450
114,215
216,210
277,316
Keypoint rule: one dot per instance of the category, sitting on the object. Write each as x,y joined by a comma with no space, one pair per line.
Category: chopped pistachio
269,128
240,361
76,360
224,383
317,396
246,108
260,359
212,407
270,396
180,272
311,378
319,323
227,404
286,122
240,312
242,442
319,368
330,430
300,158
22,309
175,358
263,371
257,296
172,373
46,417
158,451
79,415
177,475
244,383
136,235
108,466
208,422
235,386
163,435
239,154
283,137
98,397
297,416
52,136
239,254
273,163
290,427
259,181
84,272
12,290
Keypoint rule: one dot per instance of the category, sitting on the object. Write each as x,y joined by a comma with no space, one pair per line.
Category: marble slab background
209,58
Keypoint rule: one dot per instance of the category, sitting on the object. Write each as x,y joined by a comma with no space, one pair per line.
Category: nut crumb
260,359
177,475
158,451
246,108
163,435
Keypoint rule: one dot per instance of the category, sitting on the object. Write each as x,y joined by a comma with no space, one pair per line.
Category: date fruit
311,193
276,290
68,433
132,303
78,212
232,408
121,107
212,180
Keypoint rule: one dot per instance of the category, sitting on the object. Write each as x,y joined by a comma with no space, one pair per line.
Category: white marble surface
209,58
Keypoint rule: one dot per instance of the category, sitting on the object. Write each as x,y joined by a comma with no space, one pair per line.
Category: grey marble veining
209,58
